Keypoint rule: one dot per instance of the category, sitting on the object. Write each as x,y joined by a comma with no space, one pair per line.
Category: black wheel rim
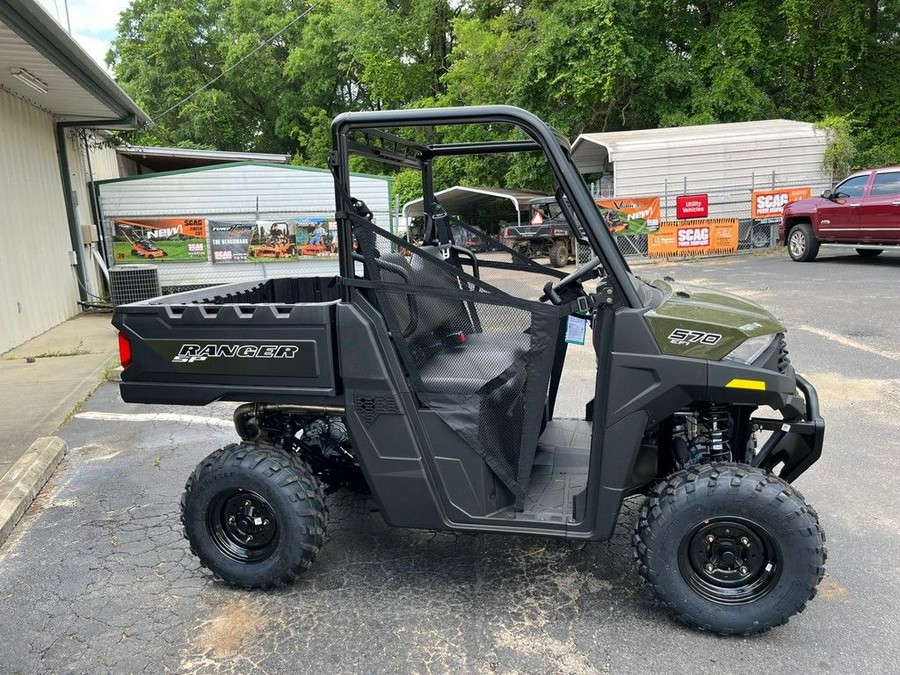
243,526
730,561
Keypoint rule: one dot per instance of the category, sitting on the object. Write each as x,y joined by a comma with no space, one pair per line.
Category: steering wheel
553,291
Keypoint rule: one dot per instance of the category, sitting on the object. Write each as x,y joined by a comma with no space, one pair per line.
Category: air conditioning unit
133,283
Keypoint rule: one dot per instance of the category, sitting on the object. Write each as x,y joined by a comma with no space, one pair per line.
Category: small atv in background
430,375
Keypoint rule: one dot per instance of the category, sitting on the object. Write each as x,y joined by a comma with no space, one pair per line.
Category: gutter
66,177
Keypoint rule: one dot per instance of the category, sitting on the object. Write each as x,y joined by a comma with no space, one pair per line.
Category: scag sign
693,237
771,203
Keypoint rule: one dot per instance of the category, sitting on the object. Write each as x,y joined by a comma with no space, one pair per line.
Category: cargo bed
270,341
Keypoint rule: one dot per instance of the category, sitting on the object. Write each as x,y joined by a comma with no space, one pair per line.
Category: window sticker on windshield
576,329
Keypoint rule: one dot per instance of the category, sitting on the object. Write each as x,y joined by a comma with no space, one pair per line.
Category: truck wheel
730,549
254,515
559,254
802,244
869,252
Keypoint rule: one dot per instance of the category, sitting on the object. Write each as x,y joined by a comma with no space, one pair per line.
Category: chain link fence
225,247
757,228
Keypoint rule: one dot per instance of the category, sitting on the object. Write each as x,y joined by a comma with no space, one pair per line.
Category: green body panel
694,308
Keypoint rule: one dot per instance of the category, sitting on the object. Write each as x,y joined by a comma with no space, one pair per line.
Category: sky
93,22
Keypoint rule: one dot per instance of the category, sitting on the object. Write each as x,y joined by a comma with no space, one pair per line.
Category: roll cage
366,134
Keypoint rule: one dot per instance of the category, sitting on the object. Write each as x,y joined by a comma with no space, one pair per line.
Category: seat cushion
466,369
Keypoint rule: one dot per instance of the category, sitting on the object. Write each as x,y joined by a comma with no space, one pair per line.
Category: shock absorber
714,418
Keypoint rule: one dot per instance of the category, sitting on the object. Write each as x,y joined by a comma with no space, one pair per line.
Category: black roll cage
383,146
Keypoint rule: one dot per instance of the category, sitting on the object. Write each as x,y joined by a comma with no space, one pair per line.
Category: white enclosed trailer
237,192
725,161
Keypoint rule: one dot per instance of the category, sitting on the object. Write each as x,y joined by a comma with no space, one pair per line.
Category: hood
702,323
805,205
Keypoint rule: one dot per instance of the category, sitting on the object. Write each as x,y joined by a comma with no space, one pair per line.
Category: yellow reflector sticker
759,385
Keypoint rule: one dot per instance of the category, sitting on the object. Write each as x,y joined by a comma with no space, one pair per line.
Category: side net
475,353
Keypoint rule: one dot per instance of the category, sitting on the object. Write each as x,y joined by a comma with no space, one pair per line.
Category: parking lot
97,577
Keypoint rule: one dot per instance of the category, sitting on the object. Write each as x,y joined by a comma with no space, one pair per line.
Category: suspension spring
714,418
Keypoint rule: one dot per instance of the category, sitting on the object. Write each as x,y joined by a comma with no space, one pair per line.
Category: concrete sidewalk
42,382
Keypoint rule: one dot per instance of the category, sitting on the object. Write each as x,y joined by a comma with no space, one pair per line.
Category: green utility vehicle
429,375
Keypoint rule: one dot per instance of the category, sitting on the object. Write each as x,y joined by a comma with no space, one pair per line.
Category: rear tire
254,515
559,254
730,549
802,243
869,252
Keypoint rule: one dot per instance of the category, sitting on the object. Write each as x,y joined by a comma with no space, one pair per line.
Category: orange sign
631,215
770,203
159,239
537,218
159,228
693,237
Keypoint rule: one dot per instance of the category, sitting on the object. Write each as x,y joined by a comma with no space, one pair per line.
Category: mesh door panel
473,353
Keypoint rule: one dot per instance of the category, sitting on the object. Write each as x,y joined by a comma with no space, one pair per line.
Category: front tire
730,549
869,252
802,243
254,515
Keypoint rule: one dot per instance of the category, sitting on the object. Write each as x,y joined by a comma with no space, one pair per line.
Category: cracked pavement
97,578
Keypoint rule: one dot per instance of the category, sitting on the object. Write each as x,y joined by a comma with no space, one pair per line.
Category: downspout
66,179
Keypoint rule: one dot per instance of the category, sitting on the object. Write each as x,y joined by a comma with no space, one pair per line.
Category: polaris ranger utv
429,375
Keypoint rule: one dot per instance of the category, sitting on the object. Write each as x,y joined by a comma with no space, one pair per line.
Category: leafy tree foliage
583,65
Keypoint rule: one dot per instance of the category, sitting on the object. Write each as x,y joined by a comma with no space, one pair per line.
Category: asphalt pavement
97,577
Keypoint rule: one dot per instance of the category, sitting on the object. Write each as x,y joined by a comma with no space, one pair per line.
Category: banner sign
771,203
273,240
630,215
229,242
316,236
694,237
691,206
159,239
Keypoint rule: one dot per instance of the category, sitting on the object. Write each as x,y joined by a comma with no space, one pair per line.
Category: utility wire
237,63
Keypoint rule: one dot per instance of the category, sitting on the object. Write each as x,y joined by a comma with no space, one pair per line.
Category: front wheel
730,549
869,252
802,243
254,515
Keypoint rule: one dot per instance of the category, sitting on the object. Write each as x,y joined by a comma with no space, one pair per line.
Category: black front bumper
797,439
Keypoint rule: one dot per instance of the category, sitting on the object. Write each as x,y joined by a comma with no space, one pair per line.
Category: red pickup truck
861,212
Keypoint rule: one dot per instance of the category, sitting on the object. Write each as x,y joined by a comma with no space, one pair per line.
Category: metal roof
167,159
77,88
459,197
595,151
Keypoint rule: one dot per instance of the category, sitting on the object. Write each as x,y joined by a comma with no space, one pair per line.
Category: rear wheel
254,515
869,252
802,244
729,548
559,254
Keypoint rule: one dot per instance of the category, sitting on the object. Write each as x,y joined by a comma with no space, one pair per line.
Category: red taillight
552,231
124,350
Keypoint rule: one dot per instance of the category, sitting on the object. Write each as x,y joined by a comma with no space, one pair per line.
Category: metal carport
459,198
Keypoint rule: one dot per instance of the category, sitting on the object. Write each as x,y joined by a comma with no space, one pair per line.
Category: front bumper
796,441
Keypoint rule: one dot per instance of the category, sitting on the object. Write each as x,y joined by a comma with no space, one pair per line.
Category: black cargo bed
266,341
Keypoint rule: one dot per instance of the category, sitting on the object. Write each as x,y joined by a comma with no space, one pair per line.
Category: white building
725,160
239,192
51,92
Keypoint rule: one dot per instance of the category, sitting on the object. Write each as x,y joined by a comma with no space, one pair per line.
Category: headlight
750,350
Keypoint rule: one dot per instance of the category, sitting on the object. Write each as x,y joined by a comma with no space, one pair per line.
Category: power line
238,62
